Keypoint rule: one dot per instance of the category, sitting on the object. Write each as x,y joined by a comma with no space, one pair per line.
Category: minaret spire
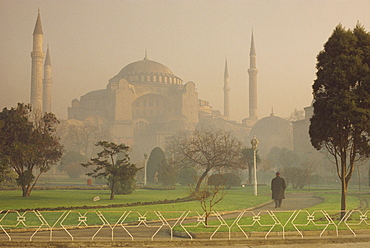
226,91
36,69
47,83
252,71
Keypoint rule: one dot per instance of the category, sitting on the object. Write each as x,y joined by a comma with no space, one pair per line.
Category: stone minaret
252,71
226,92
47,83
36,71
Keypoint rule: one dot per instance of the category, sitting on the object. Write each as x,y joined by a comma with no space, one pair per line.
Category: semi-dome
272,131
271,125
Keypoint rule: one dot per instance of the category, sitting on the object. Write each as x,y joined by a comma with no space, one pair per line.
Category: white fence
132,225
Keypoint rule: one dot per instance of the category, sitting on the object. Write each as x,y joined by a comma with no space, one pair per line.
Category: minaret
226,92
252,71
47,83
36,71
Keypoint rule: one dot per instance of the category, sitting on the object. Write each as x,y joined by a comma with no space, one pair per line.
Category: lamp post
254,143
145,164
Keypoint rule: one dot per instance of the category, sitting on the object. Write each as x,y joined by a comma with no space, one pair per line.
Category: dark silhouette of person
278,187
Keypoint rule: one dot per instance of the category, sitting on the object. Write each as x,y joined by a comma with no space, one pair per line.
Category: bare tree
81,136
208,196
207,149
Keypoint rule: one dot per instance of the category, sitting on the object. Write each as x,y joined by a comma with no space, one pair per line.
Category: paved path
293,201
315,245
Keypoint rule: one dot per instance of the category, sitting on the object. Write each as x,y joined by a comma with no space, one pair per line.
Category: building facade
142,105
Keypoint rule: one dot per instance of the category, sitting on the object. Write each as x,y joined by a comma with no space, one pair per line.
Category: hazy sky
92,40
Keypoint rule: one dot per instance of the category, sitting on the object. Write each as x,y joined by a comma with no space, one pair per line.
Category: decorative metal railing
133,225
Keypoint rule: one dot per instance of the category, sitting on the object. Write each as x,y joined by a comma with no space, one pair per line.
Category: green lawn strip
11,200
331,205
235,198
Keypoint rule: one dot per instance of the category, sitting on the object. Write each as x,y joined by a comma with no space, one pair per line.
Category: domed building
143,104
272,131
146,102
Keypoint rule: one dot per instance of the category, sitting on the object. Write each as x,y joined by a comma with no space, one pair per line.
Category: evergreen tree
248,158
156,158
117,170
369,176
28,144
341,120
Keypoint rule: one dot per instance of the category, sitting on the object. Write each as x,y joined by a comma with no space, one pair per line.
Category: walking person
278,187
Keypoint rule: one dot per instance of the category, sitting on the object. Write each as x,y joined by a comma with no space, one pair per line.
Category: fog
91,41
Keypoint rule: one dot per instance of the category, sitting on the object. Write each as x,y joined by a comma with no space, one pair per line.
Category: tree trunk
112,191
250,174
26,191
344,197
201,179
369,175
359,178
206,218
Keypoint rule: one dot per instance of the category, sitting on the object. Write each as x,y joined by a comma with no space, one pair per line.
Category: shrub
216,180
229,180
232,180
125,187
167,174
187,176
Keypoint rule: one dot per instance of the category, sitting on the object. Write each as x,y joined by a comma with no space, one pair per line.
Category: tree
208,196
296,115
167,172
297,176
156,158
8,178
118,171
208,149
282,157
3,169
70,163
297,168
188,176
228,180
248,158
81,136
368,178
28,144
341,120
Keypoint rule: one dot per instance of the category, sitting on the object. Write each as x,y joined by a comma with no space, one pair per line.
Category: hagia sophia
145,103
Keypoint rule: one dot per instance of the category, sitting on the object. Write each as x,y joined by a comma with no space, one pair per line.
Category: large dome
145,66
147,71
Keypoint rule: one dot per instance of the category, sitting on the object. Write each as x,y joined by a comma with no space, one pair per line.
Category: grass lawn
76,198
331,206
236,198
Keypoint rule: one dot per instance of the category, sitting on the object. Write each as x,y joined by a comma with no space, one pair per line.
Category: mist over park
199,118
